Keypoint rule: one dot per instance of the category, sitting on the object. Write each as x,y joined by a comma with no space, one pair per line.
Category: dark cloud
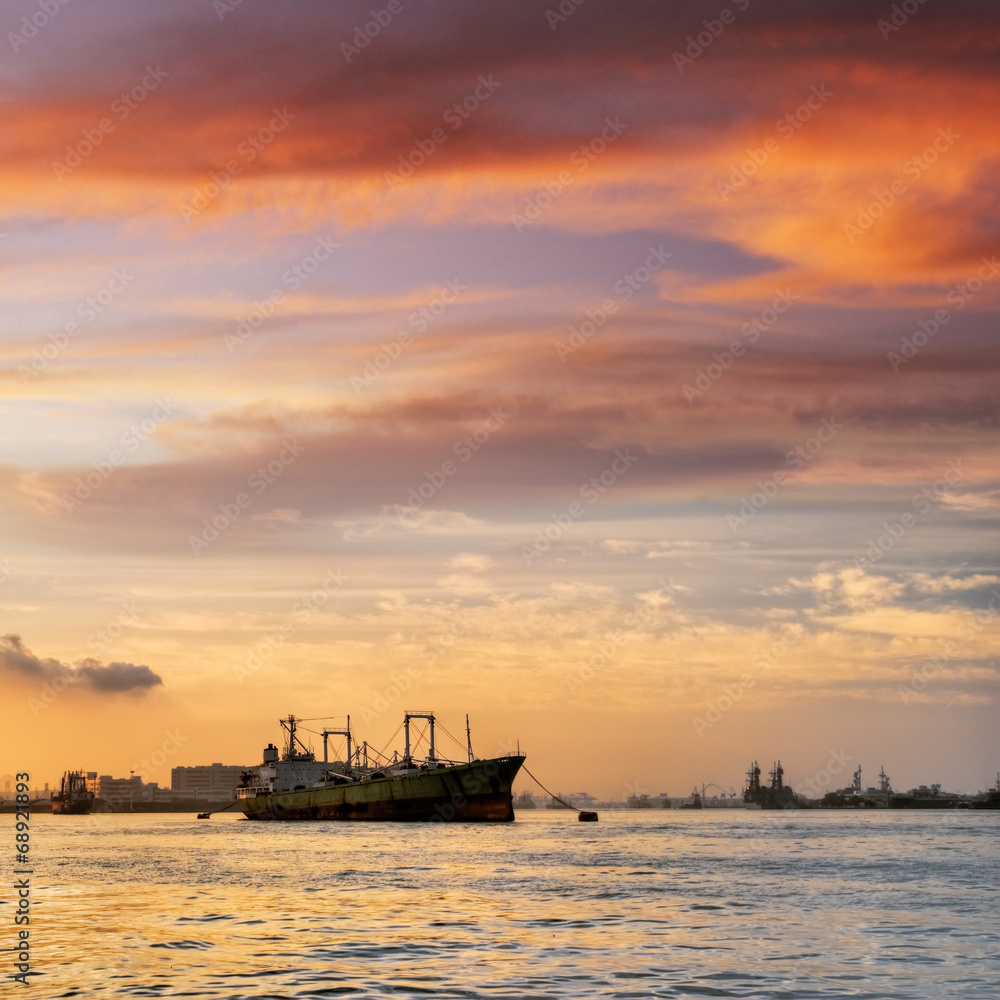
608,58
16,658
117,676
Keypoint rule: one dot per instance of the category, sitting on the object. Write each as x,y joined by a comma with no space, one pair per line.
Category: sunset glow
642,407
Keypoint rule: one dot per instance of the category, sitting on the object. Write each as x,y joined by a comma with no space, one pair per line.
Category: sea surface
721,903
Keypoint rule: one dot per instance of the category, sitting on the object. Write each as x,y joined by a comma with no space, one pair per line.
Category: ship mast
289,726
468,736
429,716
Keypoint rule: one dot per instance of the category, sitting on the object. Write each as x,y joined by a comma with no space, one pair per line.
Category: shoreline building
206,781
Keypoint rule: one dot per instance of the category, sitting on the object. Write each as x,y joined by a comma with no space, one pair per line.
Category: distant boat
294,785
776,796
990,799
73,797
661,801
526,801
571,801
927,798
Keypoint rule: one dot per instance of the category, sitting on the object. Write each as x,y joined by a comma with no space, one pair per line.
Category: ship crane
338,732
429,716
722,792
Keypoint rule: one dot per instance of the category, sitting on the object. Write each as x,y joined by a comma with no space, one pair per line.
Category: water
642,904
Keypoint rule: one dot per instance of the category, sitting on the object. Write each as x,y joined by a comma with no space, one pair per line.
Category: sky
622,374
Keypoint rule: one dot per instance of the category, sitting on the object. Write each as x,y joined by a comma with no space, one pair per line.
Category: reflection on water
727,904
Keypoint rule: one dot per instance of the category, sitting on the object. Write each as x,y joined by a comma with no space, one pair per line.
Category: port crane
721,791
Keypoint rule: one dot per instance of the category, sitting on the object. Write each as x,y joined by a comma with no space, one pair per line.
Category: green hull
478,792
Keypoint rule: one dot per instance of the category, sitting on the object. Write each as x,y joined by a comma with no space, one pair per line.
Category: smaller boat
640,802
74,798
204,815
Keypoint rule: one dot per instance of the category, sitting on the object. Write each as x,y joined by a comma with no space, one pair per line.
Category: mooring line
569,805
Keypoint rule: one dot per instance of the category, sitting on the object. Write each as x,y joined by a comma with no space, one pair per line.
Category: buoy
587,817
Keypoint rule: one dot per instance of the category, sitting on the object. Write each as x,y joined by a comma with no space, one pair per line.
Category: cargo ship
73,797
367,785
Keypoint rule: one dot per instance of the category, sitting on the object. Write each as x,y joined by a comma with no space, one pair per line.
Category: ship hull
909,802
72,808
471,793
